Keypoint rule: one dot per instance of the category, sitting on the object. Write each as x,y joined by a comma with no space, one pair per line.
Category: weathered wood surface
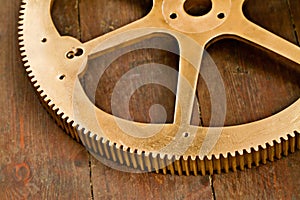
38,161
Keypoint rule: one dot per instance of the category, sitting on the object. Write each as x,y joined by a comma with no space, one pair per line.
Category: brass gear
53,64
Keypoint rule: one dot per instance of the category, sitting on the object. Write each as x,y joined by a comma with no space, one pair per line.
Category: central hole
197,7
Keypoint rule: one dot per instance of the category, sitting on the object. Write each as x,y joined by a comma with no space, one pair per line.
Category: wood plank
109,183
259,85
295,14
37,160
112,184
272,181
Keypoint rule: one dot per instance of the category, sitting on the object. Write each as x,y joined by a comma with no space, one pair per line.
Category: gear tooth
264,146
46,98
278,150
285,147
285,137
35,83
292,144
28,70
162,164
25,59
233,161
241,161
217,156
162,155
271,143
112,151
201,166
93,142
209,157
297,140
233,154
217,165
171,166
225,163
293,134
91,135
23,53
209,165
185,166
106,150
31,76
185,157
70,121
139,152
249,160
21,38
256,148
178,168
83,137
256,158
100,146
248,150
26,65
278,140
140,160
264,156
147,161
64,116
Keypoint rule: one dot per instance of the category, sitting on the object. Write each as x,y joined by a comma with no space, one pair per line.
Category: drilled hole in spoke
173,16
197,7
221,15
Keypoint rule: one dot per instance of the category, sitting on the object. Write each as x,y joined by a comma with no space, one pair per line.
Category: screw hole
221,15
186,135
173,16
79,52
70,55
44,40
62,77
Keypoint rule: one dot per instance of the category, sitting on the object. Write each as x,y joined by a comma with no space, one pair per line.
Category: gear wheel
53,64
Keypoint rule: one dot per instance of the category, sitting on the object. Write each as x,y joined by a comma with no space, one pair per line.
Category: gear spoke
261,37
190,60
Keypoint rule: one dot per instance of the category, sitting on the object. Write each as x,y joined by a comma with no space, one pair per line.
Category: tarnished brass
54,63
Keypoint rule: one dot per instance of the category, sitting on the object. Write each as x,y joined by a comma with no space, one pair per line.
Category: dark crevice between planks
79,22
293,22
91,176
211,180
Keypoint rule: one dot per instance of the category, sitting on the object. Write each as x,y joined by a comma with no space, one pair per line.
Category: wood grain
265,84
272,181
37,160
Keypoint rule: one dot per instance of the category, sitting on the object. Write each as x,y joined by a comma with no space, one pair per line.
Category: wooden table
38,161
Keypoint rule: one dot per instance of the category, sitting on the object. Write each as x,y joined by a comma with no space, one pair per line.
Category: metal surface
54,63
